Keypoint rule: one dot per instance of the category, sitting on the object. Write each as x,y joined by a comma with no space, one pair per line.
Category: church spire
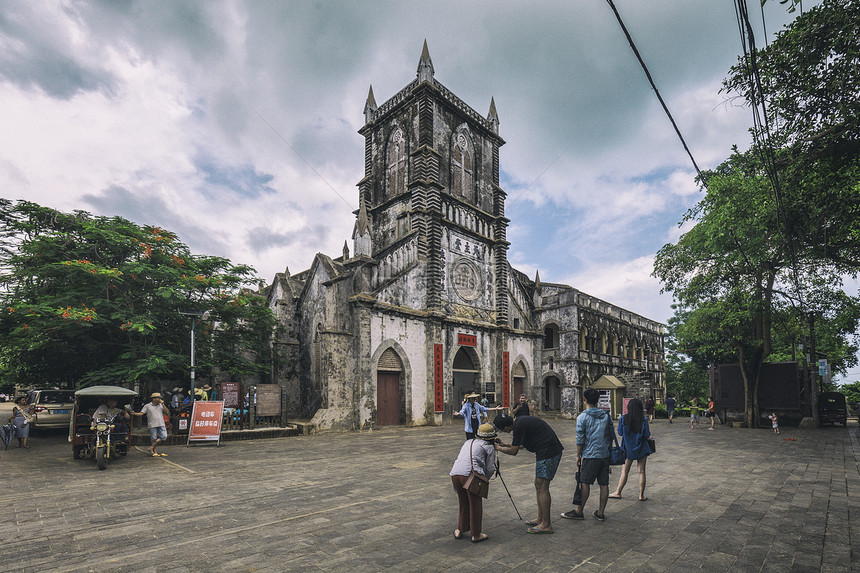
361,232
493,117
425,65
369,106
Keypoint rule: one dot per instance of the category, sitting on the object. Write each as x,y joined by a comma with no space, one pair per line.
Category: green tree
779,224
809,85
89,300
737,281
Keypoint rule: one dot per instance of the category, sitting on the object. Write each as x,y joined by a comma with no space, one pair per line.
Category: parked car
53,407
831,408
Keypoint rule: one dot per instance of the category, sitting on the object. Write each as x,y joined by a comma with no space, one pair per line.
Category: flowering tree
89,300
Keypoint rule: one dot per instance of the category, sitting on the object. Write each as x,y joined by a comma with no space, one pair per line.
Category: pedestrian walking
634,432
155,411
670,408
477,454
594,434
535,435
774,421
649,408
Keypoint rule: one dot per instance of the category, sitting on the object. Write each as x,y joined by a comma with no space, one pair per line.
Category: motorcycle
94,433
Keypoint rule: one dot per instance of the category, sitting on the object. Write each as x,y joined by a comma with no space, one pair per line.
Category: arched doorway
466,376
552,396
389,371
519,376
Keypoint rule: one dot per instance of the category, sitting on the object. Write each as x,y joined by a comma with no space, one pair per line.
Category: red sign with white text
206,421
438,387
467,339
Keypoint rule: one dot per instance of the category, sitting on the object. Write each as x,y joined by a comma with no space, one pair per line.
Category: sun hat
486,431
472,395
155,395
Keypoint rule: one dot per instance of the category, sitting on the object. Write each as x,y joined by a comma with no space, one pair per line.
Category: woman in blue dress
633,430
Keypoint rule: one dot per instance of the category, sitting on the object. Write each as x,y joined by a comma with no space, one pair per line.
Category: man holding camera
536,436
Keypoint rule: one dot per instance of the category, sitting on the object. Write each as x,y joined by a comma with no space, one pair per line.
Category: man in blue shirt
670,408
594,434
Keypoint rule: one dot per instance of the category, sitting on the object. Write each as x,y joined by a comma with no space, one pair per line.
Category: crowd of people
595,434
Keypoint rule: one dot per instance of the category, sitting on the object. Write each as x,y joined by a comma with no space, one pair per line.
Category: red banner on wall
467,340
438,388
206,422
506,379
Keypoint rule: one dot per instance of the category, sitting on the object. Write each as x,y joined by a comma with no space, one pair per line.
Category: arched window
395,164
550,336
462,166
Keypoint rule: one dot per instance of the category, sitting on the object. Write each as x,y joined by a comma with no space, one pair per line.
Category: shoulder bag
649,440
616,454
476,483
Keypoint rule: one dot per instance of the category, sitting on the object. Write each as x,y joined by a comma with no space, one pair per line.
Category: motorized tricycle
100,427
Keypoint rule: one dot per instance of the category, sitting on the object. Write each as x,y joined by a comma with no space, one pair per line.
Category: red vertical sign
506,379
438,388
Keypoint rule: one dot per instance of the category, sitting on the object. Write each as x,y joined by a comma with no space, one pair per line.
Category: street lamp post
202,315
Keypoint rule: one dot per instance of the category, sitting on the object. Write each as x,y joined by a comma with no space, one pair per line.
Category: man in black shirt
536,436
522,407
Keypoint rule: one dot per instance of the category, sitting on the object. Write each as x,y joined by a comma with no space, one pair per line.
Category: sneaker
597,516
572,514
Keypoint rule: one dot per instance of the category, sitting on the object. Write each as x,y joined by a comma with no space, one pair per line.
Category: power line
348,204
656,91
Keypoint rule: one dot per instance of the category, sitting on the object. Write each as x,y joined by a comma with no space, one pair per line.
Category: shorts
775,425
694,418
670,412
594,468
157,433
545,469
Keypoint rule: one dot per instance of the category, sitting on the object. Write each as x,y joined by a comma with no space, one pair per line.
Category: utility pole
812,361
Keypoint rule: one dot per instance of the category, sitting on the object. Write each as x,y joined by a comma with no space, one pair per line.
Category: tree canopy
779,225
94,300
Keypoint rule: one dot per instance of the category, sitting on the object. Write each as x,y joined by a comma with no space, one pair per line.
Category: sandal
482,537
532,523
458,534
613,496
155,455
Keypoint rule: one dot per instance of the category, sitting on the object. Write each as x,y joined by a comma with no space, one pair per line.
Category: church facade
427,308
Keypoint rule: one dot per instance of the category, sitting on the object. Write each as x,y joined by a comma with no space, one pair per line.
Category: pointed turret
345,252
493,117
369,106
537,280
361,232
425,66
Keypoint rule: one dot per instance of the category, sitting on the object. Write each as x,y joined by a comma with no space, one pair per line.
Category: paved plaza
728,500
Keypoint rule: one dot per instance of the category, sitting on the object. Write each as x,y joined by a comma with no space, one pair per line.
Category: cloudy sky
234,123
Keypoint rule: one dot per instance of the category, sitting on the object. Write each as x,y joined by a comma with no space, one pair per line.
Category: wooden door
387,398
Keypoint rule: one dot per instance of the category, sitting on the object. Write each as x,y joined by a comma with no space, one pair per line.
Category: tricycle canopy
105,391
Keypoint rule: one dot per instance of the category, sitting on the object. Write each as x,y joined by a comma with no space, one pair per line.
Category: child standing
774,420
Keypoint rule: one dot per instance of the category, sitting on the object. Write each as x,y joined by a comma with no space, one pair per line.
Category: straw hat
155,395
486,432
472,395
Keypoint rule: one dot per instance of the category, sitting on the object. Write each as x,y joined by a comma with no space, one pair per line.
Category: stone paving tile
333,502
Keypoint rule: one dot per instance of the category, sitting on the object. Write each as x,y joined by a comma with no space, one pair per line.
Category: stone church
427,308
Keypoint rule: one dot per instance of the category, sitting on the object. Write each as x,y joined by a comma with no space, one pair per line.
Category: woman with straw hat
477,454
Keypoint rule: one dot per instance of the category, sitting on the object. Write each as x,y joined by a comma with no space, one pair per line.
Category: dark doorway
553,393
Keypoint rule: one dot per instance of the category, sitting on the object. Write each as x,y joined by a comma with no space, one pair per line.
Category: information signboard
268,400
206,422
230,392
